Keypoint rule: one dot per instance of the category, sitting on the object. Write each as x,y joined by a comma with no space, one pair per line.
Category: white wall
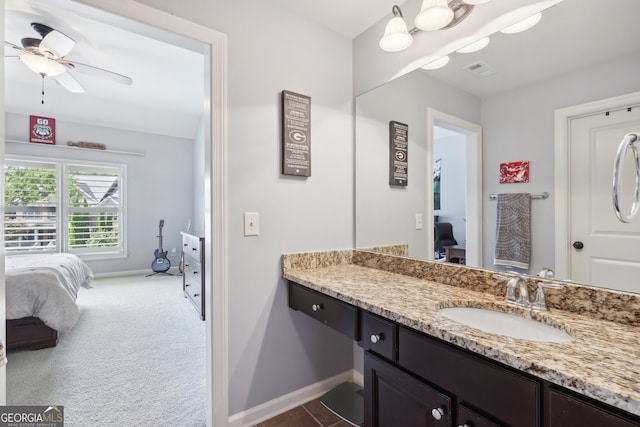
519,125
158,183
386,214
273,350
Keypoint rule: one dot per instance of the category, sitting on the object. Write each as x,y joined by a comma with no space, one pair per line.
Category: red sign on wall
514,172
42,130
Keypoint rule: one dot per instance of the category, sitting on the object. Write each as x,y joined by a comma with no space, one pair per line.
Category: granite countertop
602,361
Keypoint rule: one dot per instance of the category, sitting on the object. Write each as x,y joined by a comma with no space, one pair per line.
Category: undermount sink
506,324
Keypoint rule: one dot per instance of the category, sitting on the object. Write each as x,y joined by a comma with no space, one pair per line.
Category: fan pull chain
42,89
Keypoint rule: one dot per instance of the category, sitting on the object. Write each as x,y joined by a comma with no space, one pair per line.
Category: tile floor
311,414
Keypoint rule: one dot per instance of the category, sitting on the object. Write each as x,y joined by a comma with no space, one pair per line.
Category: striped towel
513,230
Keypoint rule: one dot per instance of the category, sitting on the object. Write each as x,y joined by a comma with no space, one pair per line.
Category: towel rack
533,196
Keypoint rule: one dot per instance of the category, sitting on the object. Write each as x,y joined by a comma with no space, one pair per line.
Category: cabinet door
394,398
508,397
568,411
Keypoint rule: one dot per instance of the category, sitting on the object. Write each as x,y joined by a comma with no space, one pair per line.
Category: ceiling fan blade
30,42
69,82
13,46
55,43
98,72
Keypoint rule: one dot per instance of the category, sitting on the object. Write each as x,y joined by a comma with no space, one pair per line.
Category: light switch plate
251,223
418,221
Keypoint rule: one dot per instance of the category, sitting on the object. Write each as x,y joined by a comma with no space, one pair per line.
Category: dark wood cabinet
500,393
394,398
469,418
193,282
566,410
413,379
336,314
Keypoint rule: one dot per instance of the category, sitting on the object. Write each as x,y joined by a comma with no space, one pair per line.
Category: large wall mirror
581,51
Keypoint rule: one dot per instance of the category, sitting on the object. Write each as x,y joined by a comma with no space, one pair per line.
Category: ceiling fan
46,57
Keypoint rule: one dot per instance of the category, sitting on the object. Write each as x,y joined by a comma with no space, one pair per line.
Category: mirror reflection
582,51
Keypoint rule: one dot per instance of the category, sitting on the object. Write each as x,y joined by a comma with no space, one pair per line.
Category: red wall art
512,172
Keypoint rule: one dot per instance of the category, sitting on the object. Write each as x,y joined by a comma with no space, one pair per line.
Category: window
59,206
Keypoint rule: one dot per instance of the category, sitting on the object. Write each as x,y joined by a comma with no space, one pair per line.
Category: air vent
480,69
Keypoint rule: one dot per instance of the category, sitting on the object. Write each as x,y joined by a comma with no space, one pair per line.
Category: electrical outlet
251,223
173,252
418,221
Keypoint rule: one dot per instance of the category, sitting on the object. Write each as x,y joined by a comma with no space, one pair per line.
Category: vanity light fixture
434,15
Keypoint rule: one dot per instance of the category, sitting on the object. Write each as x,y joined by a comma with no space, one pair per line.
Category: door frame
216,200
473,193
562,170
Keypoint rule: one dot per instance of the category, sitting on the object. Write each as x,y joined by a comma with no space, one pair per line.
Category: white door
606,252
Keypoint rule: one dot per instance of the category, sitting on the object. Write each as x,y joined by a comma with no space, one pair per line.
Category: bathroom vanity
422,369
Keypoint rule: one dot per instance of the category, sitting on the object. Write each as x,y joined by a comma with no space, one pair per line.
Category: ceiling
166,96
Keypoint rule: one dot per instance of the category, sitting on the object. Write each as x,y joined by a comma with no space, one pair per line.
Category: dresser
193,270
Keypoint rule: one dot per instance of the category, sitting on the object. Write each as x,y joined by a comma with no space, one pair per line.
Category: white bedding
45,286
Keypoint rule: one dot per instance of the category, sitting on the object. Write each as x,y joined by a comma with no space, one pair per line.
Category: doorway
470,135
592,246
215,190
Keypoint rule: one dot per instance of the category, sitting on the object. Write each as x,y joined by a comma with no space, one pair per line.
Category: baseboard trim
173,270
282,404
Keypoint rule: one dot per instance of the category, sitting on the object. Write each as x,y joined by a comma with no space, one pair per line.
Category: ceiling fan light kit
42,65
46,57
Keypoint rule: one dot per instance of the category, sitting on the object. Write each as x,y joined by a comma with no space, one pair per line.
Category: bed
41,292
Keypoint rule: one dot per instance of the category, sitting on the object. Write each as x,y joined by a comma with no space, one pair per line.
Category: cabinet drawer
503,394
380,336
569,411
336,314
191,245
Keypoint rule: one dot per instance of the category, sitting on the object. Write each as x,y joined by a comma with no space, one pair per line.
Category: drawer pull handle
186,285
194,249
196,295
316,307
437,413
195,272
464,425
185,245
376,338
187,265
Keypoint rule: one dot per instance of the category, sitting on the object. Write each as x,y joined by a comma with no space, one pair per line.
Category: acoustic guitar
160,263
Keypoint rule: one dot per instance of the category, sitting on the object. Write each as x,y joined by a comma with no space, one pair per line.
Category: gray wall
386,214
272,350
158,183
519,125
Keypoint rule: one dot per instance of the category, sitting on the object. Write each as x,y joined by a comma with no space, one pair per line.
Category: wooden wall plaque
296,134
398,153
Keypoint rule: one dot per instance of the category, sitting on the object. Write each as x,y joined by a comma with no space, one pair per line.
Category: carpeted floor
135,358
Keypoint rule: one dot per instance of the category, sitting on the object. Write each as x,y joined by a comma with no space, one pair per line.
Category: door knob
578,244
437,413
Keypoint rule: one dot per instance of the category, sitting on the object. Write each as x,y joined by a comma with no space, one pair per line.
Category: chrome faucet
517,284
540,303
